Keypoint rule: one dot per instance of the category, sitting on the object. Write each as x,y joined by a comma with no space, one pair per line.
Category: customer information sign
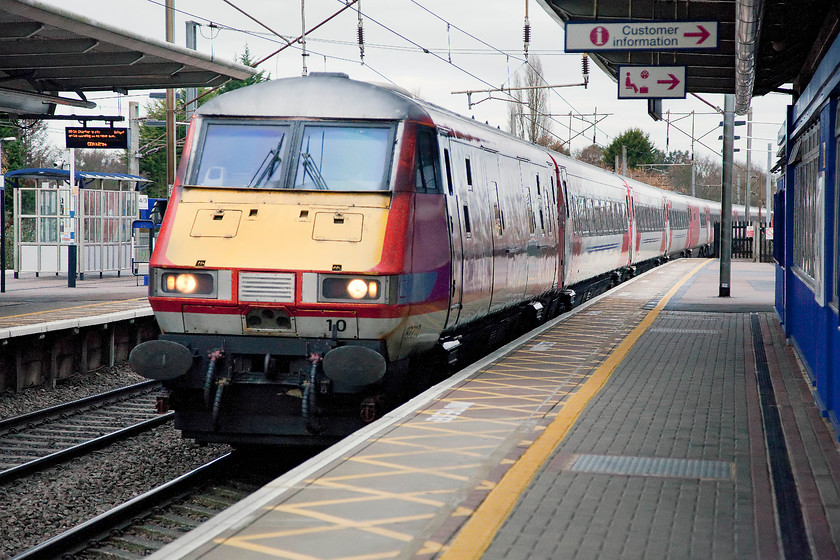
590,36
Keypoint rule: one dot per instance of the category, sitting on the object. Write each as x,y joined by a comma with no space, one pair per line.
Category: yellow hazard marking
414,497
478,532
238,542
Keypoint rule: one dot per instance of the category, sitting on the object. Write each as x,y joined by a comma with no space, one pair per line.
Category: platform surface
45,302
657,421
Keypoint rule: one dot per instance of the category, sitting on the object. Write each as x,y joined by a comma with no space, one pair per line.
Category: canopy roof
762,44
85,177
45,51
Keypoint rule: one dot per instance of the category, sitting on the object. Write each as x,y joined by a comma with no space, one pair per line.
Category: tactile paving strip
652,466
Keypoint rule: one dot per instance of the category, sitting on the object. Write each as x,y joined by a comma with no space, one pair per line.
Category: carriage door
563,211
558,211
456,247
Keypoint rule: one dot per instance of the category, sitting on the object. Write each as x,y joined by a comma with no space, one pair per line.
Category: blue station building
807,231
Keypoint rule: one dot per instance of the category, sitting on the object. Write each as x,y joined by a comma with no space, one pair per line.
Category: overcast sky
490,54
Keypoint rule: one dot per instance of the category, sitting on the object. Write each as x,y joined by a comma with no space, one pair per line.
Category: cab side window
426,162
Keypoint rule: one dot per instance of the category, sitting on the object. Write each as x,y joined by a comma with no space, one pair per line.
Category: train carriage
323,233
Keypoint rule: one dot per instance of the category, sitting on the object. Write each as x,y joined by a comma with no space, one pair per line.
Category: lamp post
3,216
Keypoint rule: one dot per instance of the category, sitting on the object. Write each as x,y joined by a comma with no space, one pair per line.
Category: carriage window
448,170
467,227
344,158
532,225
469,173
241,155
427,162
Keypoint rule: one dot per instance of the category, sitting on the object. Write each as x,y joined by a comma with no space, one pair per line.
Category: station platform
655,421
49,331
42,303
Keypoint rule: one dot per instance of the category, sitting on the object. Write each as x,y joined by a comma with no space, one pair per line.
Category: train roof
318,95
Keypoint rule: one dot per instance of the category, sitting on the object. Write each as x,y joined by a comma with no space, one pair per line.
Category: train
332,246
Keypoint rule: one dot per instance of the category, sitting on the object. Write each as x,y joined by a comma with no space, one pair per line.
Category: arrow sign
703,34
651,82
674,81
663,35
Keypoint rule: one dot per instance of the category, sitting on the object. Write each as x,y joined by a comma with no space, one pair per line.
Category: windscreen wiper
311,168
269,165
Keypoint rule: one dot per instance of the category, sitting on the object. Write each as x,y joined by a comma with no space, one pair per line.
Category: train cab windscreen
293,156
241,155
343,158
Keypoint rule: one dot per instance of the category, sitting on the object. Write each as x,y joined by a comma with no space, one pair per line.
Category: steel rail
83,448
57,410
75,539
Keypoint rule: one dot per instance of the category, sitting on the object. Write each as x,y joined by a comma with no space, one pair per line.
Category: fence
746,237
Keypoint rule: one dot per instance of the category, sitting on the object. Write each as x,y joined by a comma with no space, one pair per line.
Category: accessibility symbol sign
589,36
651,82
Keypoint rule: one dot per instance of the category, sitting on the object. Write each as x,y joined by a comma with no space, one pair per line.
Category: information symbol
599,36
645,74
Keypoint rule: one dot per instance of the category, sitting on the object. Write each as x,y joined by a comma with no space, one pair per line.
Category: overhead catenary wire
454,52
506,54
346,4
442,59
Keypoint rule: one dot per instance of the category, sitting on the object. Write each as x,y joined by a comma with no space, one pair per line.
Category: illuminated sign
102,138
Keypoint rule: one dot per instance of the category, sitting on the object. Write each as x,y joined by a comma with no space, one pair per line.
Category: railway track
148,522
35,441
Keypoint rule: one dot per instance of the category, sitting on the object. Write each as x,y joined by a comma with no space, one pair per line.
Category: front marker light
343,288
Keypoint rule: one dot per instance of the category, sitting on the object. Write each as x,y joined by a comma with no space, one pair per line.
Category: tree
678,170
709,177
640,150
528,111
553,143
31,149
592,154
153,139
231,85
106,161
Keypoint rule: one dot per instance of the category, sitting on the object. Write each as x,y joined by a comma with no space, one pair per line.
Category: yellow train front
285,279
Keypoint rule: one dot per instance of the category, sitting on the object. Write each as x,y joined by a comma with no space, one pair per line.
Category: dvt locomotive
323,233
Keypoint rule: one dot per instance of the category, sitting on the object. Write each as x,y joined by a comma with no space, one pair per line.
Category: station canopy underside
49,57
792,36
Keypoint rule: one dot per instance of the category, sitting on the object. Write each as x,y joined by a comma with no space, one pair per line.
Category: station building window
805,202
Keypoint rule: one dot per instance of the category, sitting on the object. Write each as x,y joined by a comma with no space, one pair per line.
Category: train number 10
340,325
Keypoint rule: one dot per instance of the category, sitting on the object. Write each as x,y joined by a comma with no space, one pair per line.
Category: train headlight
357,288
350,288
188,283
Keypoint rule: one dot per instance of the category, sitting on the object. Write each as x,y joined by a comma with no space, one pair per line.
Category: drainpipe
747,31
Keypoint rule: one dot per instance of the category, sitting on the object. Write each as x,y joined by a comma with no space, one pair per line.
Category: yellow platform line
52,311
478,532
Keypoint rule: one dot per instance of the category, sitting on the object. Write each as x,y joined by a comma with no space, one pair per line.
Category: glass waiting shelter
50,216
